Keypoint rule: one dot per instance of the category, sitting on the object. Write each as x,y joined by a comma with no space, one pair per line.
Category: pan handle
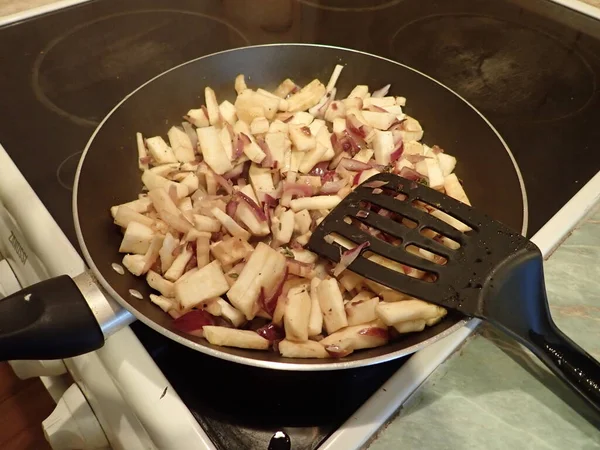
568,361
48,320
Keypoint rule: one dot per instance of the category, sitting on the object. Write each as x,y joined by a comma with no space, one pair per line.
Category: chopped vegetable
234,196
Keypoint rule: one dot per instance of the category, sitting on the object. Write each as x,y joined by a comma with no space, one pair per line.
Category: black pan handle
48,320
568,361
517,304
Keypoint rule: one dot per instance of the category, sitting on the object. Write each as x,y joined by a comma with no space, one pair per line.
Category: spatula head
447,250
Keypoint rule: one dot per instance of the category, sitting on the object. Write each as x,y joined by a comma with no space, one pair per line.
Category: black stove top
531,68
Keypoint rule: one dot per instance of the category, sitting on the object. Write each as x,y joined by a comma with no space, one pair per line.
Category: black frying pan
55,321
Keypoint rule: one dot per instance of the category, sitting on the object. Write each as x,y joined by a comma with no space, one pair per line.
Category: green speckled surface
492,394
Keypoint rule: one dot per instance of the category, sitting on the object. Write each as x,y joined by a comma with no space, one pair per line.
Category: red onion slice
256,210
268,159
231,208
269,302
335,351
297,189
374,332
271,332
332,187
234,173
353,165
355,126
397,153
348,258
193,321
411,174
375,108
375,184
225,184
299,268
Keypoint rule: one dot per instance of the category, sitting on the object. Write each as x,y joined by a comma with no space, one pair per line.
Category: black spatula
489,272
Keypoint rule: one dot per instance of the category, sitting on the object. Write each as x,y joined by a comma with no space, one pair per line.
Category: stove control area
73,425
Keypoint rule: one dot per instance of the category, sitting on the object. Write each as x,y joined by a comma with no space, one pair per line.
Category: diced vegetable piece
308,96
366,174
153,181
308,349
231,250
259,125
212,150
240,84
140,264
230,337
302,221
125,215
412,130
315,319
207,282
301,137
137,238
301,118
297,314
178,266
163,302
165,287
361,311
364,155
197,117
332,305
357,337
141,205
383,145
205,223
447,163
202,251
230,225
379,120
263,270
248,215
285,88
392,313
283,227
261,180
212,106
350,280
135,264
142,152
283,104
181,145
316,202
160,151
227,111
359,91
236,318
191,182
280,146
169,244
277,126
336,109
312,157
226,142
454,189
410,326
381,102
250,104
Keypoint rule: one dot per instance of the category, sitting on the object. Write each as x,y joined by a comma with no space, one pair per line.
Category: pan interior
108,173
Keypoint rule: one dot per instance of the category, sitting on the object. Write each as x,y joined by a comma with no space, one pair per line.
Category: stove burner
350,5
117,53
500,67
65,174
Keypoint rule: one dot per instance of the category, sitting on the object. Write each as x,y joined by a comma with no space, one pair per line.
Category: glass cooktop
531,68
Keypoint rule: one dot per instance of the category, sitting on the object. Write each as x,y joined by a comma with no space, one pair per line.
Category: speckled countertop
493,394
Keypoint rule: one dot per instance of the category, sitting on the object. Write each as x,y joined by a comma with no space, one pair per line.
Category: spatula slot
437,237
438,213
401,269
427,254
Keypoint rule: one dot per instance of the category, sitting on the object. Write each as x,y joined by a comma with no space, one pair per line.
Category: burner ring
503,68
80,119
386,4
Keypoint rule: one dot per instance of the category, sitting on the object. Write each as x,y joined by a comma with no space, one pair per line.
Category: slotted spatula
495,274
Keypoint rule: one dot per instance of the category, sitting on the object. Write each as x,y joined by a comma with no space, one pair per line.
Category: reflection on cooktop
65,174
351,5
501,66
119,52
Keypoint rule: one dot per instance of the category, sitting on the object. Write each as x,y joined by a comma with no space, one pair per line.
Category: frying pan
53,320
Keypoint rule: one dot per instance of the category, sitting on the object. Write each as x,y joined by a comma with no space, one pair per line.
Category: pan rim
265,364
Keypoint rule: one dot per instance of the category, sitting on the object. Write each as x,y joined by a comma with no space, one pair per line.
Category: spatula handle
568,361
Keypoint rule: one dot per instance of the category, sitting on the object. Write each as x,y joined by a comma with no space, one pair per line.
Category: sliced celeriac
207,282
230,337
